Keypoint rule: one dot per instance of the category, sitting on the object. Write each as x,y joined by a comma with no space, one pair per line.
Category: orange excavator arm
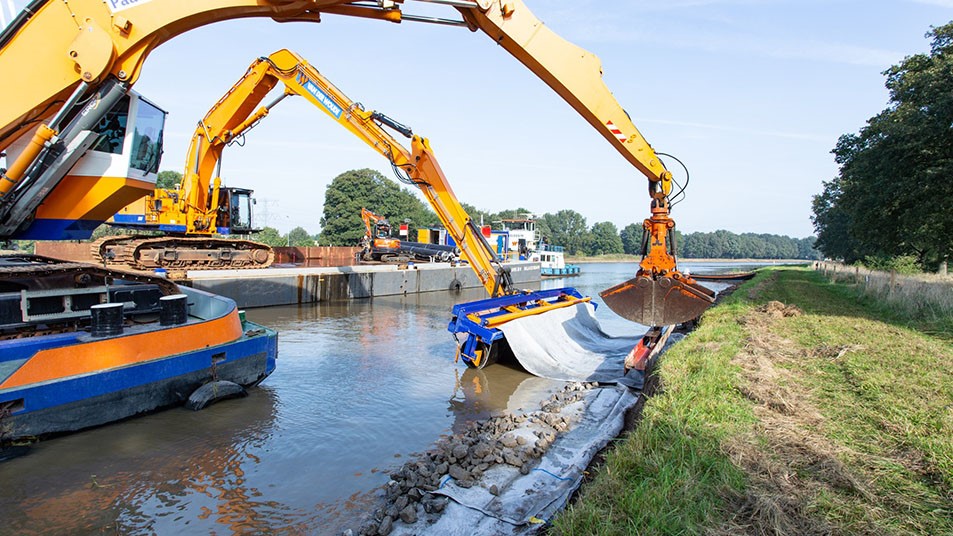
416,166
659,294
93,50
367,216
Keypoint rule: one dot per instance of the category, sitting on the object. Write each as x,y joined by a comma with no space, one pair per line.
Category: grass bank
795,408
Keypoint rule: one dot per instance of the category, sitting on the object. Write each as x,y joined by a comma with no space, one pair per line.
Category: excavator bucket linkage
475,324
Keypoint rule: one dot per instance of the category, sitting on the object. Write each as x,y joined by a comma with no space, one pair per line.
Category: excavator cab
236,211
112,149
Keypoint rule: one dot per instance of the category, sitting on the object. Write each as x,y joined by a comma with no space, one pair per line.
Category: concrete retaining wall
290,286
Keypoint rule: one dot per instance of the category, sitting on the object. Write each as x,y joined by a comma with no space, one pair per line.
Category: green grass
866,449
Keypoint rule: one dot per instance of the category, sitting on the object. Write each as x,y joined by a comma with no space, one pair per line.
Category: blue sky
750,94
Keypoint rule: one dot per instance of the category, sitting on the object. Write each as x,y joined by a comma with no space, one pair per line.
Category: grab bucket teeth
663,301
476,324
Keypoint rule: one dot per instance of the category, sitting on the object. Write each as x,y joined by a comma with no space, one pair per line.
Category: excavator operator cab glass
240,210
129,146
112,128
147,137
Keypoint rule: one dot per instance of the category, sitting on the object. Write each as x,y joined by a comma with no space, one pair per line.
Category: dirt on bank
787,462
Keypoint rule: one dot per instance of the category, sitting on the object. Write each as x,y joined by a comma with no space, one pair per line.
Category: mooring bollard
106,319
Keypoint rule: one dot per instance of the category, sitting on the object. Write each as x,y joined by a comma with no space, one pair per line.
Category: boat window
147,138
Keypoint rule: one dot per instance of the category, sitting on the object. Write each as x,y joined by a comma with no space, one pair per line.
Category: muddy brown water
360,386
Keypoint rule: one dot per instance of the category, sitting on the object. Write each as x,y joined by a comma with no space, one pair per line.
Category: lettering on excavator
324,99
119,5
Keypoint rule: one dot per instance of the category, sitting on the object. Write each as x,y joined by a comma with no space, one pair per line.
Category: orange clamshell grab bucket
666,300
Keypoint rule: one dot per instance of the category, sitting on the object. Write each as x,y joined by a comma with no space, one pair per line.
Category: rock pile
515,440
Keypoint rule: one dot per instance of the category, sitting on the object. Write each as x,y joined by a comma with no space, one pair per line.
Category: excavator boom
477,322
93,51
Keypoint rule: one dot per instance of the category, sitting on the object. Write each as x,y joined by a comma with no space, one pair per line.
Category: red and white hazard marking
615,130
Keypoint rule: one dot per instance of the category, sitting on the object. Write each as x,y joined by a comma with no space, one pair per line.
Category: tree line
891,199
341,224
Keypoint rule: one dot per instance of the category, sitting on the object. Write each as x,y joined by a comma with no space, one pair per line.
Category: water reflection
138,476
479,394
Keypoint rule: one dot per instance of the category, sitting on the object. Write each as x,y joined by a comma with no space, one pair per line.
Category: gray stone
439,504
425,469
509,441
386,526
401,502
513,458
494,490
481,449
458,473
409,515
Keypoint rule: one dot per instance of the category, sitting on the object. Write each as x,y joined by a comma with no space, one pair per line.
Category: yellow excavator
416,166
75,60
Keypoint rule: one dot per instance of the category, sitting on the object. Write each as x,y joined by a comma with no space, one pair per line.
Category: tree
479,217
512,214
299,237
727,245
892,193
168,179
270,236
631,236
352,190
568,229
604,239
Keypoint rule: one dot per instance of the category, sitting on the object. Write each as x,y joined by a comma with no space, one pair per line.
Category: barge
552,263
82,345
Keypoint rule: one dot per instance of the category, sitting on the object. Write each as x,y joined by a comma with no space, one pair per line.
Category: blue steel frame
479,332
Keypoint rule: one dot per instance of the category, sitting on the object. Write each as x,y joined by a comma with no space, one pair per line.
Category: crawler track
182,253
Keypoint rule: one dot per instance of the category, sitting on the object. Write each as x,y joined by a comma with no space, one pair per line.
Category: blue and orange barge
82,345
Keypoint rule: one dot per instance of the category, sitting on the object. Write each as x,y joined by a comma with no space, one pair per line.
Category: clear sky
750,94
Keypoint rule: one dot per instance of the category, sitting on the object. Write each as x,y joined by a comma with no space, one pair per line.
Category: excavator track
182,253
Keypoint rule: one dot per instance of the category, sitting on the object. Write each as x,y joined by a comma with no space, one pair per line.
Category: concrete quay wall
291,286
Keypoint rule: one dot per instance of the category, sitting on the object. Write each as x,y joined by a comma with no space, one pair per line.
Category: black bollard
107,319
174,310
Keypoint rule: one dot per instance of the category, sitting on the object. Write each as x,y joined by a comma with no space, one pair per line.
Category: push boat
82,345
552,262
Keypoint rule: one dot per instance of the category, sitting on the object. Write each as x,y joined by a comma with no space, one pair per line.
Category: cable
674,199
403,177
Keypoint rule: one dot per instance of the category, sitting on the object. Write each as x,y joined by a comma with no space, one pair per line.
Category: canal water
360,387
